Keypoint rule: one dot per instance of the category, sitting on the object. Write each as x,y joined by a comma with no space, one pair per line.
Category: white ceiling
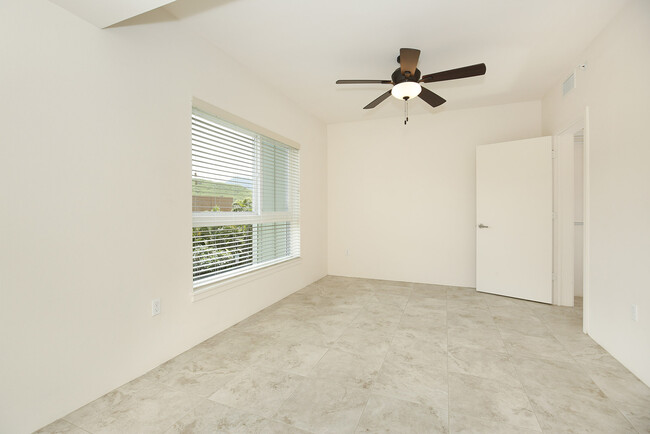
104,13
302,47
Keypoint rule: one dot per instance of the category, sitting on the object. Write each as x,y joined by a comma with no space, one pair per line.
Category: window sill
213,288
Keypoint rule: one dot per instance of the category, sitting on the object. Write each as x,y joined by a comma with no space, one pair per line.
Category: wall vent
569,84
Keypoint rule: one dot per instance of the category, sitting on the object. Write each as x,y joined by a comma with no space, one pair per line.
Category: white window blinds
245,200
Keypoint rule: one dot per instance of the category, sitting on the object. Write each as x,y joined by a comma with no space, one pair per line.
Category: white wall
402,199
616,89
95,207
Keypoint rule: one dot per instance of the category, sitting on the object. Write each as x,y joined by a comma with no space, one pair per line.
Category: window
245,200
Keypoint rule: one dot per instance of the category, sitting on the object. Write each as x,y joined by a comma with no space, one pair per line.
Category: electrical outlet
635,312
155,307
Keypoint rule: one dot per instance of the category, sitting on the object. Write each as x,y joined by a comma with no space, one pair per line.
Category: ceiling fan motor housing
398,77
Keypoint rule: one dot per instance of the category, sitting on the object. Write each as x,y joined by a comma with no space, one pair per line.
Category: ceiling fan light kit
407,78
406,90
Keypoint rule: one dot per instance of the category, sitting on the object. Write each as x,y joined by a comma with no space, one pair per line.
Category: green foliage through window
223,248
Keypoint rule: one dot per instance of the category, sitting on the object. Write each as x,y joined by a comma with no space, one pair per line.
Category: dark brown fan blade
376,102
453,74
434,100
363,81
408,60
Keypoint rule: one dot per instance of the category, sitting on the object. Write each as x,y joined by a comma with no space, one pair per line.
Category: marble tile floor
347,355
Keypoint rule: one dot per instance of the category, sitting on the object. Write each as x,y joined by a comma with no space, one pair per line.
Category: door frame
563,222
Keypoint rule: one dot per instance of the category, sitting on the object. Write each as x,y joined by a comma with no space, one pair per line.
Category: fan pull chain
406,110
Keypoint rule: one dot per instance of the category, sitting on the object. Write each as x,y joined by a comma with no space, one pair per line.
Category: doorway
568,254
570,228
578,219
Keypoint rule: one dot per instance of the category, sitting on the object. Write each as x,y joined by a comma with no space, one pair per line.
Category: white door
514,225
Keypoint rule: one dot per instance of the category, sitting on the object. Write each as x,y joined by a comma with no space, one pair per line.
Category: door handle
482,226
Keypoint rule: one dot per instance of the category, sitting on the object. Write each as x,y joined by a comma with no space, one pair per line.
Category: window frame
257,216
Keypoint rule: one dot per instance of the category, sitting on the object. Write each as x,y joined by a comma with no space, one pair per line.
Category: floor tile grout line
186,413
447,334
574,362
523,387
380,368
615,403
550,332
498,381
578,393
313,367
73,424
202,398
493,419
370,392
553,321
586,371
275,419
254,413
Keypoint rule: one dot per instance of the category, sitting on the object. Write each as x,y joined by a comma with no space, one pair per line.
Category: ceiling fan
407,78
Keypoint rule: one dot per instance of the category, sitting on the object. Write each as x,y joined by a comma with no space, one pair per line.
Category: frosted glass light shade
406,89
